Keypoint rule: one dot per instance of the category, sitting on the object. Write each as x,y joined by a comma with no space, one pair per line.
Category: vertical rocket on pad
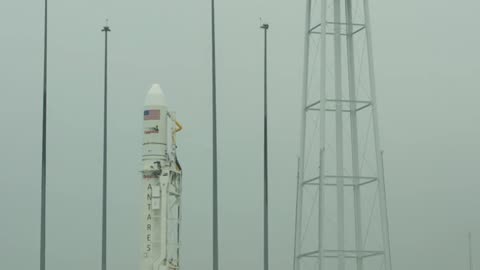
162,185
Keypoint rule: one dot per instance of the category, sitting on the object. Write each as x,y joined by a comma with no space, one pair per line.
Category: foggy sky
427,66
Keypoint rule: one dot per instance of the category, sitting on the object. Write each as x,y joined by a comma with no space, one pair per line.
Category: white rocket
162,185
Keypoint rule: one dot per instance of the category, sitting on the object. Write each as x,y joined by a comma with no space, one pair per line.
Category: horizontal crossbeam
363,180
364,104
350,254
357,26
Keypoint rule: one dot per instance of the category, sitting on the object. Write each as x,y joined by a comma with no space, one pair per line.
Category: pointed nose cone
155,96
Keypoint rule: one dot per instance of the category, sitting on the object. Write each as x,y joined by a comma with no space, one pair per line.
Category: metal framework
344,199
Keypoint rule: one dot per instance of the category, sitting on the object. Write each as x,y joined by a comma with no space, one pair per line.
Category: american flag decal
151,115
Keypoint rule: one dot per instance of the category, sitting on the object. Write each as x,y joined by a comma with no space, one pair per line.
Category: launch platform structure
341,214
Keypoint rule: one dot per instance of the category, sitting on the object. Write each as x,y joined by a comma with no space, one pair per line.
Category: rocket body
155,125
161,186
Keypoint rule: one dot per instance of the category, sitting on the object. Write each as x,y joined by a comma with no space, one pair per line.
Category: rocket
162,179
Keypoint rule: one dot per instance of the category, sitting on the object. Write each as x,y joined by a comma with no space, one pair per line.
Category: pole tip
106,28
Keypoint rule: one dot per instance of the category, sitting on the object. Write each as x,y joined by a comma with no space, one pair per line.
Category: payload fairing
162,179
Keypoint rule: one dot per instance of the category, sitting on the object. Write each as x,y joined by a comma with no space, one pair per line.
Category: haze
427,65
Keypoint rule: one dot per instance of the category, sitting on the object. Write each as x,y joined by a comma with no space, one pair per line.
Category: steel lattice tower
341,215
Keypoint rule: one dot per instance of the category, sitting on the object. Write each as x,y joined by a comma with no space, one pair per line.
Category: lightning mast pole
470,255
105,29
214,154
44,149
265,155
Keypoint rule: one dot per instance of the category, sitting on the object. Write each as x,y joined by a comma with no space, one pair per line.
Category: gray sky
427,76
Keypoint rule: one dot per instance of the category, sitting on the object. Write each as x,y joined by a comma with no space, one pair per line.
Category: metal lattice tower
341,215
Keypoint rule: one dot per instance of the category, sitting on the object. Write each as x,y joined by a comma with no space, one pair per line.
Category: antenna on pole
105,29
265,154
214,154
44,149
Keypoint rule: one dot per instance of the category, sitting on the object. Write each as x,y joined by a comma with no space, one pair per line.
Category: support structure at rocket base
162,185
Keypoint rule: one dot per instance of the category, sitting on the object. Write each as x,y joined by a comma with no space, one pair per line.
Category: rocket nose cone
155,96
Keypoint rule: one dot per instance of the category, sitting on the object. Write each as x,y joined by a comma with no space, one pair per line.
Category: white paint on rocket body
162,189
155,131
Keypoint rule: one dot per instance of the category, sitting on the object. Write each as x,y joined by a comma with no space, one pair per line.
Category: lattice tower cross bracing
341,215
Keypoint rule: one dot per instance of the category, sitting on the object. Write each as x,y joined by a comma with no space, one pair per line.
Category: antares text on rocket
161,184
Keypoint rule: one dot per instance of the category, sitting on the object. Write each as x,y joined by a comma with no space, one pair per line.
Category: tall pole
105,29
352,90
339,149
44,149
301,160
214,154
322,140
470,255
265,155
376,135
